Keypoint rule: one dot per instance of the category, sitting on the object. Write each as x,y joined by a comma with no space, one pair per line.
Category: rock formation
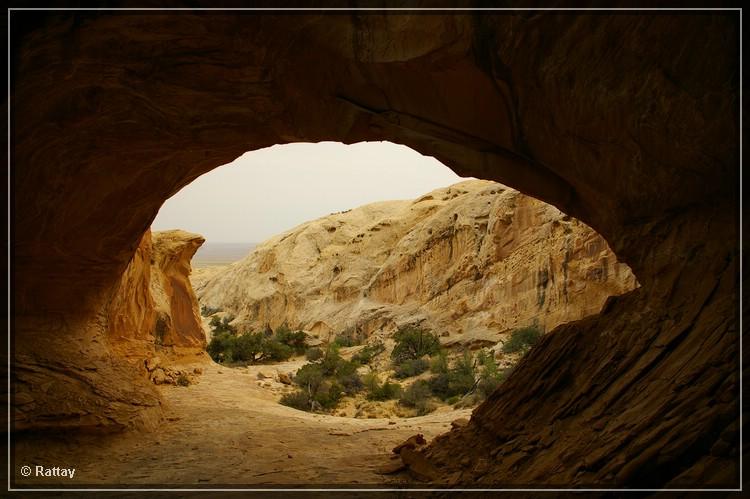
470,261
155,305
627,122
152,308
178,321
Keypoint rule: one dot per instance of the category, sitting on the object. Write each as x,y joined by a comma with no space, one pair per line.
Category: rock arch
627,122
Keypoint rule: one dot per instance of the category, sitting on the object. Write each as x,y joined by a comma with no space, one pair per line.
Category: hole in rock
343,289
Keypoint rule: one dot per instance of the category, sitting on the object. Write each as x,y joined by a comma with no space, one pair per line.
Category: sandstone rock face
178,321
155,305
473,260
629,123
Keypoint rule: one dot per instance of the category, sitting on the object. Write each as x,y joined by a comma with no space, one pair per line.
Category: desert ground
229,430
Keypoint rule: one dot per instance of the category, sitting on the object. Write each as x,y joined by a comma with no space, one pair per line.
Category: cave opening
652,378
400,241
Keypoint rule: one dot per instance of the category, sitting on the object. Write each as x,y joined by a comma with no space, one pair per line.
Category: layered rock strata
470,261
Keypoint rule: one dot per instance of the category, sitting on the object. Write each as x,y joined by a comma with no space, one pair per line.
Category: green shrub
220,347
274,350
329,397
298,400
371,381
413,343
351,383
439,363
314,353
418,395
331,359
227,346
411,367
222,325
491,376
369,352
486,386
381,392
322,387
309,377
522,339
248,347
350,337
458,380
296,340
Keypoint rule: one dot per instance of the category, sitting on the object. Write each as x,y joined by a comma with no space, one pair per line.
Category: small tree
314,353
221,346
413,343
491,376
222,325
296,340
411,367
458,380
366,355
439,363
350,337
418,396
249,347
522,339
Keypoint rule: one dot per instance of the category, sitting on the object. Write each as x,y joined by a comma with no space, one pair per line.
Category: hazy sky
265,192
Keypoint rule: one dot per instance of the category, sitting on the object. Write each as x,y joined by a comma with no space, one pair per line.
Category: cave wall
627,122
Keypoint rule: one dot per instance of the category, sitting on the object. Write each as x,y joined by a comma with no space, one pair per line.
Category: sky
265,192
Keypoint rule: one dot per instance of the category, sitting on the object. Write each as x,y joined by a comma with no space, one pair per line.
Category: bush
274,350
491,376
411,367
381,392
351,383
328,397
222,325
439,363
309,377
522,339
418,396
452,400
298,400
369,352
458,380
350,337
413,343
313,354
324,383
296,340
220,347
248,347
227,346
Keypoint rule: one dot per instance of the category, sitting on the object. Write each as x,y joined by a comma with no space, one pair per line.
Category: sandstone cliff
178,322
470,261
154,305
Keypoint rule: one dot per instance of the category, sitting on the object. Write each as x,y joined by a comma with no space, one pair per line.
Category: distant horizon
272,190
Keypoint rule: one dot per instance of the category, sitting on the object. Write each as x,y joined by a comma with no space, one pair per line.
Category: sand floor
228,430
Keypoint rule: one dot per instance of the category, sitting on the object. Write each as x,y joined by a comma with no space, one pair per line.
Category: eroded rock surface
178,321
470,261
153,308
